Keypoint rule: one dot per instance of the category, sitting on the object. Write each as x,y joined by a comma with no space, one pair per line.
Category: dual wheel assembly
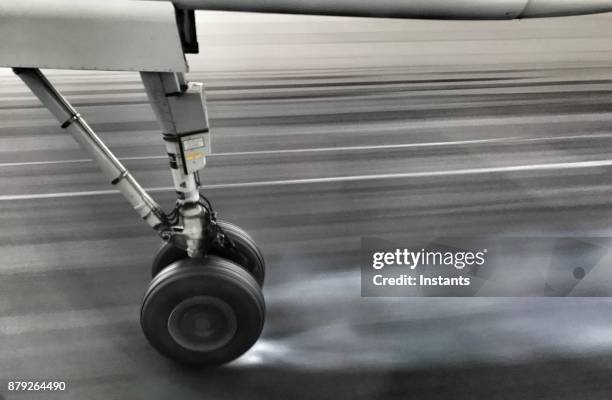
206,311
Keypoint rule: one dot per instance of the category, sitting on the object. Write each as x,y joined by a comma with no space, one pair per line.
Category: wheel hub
202,323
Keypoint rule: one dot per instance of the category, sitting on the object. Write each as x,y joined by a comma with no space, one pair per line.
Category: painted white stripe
287,151
338,179
74,161
515,139
365,148
31,163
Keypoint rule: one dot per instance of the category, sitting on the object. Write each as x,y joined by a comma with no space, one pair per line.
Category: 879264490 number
36,386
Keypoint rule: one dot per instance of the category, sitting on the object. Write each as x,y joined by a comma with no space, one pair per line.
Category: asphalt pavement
325,130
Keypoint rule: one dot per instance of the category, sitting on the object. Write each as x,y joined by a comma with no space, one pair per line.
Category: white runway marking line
274,152
75,161
331,149
339,179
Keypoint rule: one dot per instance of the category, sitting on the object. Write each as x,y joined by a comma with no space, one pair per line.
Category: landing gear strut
204,305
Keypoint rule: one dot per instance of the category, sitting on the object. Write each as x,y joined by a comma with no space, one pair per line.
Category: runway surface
325,130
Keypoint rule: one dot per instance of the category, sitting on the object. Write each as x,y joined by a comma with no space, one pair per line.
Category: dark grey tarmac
325,130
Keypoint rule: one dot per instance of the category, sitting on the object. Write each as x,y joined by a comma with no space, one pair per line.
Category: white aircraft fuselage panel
117,35
428,9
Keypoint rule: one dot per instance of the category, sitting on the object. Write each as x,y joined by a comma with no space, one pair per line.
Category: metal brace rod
70,120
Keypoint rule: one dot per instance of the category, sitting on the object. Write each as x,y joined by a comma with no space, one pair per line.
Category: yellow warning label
194,155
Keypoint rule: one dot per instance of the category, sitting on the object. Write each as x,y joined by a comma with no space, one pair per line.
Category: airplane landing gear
206,311
203,311
204,305
234,244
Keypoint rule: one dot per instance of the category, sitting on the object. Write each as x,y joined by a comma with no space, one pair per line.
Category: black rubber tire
246,253
166,255
209,278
